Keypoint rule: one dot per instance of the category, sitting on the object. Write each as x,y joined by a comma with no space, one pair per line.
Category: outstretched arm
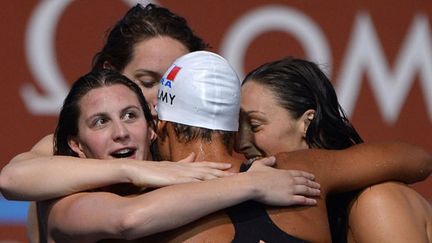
367,164
100,215
38,175
362,165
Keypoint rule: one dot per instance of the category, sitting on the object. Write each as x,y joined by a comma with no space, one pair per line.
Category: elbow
425,167
428,167
134,224
7,183
126,226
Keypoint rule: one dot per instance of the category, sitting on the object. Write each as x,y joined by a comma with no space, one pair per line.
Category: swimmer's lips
123,153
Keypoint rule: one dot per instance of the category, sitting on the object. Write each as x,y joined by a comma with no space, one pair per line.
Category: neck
214,151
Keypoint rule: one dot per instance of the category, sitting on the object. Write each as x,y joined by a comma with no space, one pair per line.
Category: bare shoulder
45,145
390,212
388,195
42,148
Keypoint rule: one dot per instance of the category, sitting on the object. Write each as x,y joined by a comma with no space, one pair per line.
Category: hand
282,187
165,173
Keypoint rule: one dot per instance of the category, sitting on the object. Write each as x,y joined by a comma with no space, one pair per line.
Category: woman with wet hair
297,109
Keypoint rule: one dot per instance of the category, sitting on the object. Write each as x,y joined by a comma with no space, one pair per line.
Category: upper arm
387,212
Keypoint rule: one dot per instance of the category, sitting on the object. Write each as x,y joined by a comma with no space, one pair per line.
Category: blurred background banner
377,53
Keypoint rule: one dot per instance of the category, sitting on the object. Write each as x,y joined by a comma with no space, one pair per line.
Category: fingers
306,182
189,158
299,173
302,200
299,195
305,186
306,191
268,161
299,188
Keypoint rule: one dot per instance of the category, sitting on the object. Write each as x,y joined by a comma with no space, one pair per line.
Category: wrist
250,185
125,169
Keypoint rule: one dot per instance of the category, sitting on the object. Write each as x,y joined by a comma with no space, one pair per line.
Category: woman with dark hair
144,43
68,126
301,87
296,109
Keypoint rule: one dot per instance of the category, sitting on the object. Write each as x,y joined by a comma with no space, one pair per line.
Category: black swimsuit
252,223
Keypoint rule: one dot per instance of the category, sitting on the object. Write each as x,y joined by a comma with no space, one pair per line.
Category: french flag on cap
173,73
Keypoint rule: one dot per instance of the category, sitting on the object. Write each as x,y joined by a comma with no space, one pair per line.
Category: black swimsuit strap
252,223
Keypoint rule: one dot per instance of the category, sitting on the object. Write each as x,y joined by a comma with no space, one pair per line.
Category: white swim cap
200,89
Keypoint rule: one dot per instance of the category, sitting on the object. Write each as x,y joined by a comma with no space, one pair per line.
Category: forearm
361,165
417,164
174,206
32,177
112,216
38,175
101,215
394,160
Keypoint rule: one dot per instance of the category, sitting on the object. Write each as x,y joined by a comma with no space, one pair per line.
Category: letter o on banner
274,17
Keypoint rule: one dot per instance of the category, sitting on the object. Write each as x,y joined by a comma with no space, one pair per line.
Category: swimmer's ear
75,145
306,120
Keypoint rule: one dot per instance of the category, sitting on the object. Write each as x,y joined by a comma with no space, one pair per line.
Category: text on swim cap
165,83
165,97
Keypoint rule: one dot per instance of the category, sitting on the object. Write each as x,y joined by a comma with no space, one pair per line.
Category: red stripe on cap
173,73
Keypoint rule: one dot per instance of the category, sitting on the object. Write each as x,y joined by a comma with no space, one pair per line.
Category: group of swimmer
122,166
